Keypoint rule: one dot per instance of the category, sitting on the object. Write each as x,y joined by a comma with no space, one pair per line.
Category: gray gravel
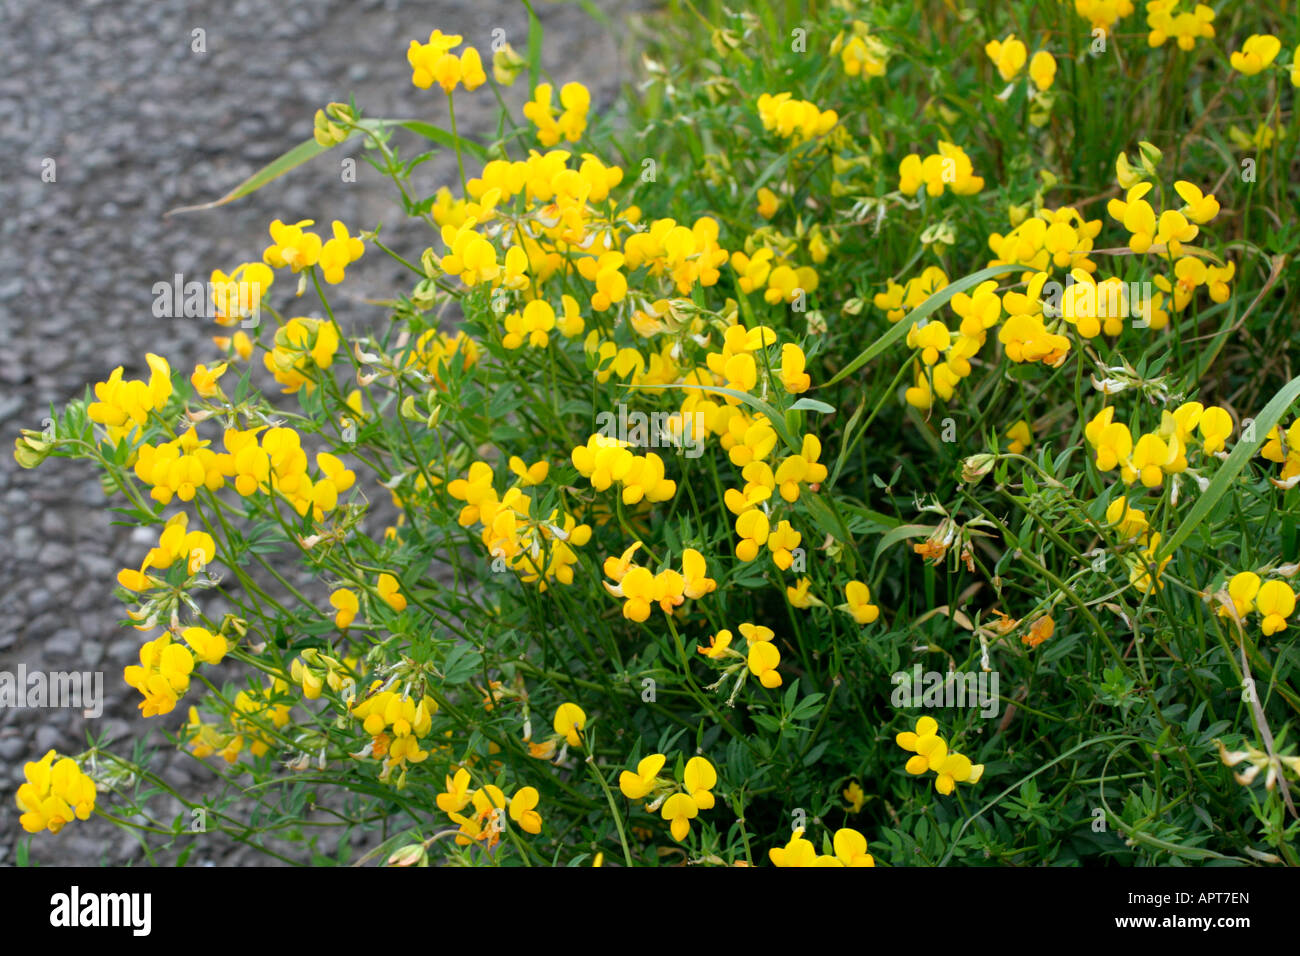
136,122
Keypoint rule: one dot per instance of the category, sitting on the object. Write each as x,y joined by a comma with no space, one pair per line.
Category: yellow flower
1167,22
768,203
857,598
851,848
1042,70
529,475
753,529
162,676
390,592
793,377
719,644
522,810
680,810
1200,208
457,794
569,721
798,852
346,604
236,296
1242,589
339,252
1150,456
552,124
291,246
1008,56
854,795
782,542
208,647
1021,437
1215,427
1275,602
506,64
763,659
1112,440
1131,522
1256,54
932,753
800,596
434,62
121,406
204,379
638,785
700,778
695,580
54,794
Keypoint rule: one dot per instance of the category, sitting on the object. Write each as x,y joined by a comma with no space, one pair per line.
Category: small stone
63,642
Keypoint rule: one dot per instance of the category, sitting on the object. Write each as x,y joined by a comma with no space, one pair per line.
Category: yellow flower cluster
931,753
301,346
54,794
639,587
490,809
1169,20
196,548
1009,57
1284,448
897,300
761,657
1133,526
1163,451
433,62
849,845
950,168
1103,14
1273,601
1059,238
604,460
279,464
679,802
795,120
236,296
121,407
434,349
395,722
539,550
861,54
569,121
247,725
162,676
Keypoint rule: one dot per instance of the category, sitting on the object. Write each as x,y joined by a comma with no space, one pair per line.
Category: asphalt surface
112,98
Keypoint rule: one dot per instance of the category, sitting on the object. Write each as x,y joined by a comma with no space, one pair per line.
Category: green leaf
435,133
812,405
902,533
534,46
1241,454
924,310
310,149
272,170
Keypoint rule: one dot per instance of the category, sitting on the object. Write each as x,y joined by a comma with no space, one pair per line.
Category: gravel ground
136,122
